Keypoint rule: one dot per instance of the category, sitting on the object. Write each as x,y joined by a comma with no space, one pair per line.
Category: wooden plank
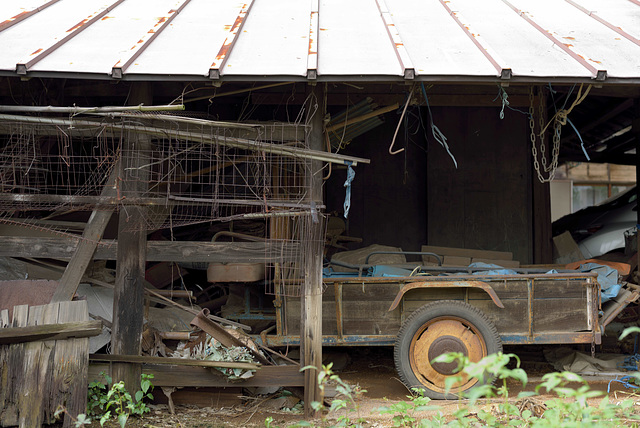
560,315
456,261
91,235
49,331
32,406
70,364
13,375
467,252
189,376
172,361
157,251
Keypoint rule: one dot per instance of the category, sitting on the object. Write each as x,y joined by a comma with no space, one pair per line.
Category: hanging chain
555,152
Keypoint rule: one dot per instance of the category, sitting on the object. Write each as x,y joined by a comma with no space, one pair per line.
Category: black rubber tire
471,317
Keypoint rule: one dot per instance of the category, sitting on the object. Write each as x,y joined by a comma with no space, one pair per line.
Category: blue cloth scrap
495,269
347,198
607,278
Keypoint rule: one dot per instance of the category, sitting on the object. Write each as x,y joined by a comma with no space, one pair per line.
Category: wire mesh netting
171,171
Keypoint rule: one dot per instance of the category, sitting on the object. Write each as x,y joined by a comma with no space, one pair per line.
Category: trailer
428,311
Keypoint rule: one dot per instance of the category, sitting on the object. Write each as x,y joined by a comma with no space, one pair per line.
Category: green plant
105,402
404,412
346,400
78,422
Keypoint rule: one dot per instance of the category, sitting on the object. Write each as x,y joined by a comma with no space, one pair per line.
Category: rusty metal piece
447,284
503,71
163,22
22,68
607,23
438,336
23,15
444,345
312,58
219,333
530,305
408,70
339,309
597,74
227,45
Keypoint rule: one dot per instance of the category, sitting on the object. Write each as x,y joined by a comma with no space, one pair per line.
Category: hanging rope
435,131
561,115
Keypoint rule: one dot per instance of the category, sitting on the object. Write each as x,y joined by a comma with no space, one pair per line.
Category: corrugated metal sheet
327,40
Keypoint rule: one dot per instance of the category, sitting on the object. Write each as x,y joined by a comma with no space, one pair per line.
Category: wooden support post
311,316
83,255
635,129
131,254
541,203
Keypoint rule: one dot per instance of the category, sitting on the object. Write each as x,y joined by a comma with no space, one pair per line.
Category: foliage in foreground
105,402
569,408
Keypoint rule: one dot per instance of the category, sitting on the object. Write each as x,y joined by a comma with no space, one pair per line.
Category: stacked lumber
464,257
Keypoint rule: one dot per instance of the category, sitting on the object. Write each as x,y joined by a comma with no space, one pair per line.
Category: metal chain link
555,152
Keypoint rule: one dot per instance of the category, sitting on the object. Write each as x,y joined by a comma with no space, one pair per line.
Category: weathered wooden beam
311,312
185,376
61,331
157,251
144,359
83,255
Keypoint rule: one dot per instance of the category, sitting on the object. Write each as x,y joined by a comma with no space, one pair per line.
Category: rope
437,134
561,115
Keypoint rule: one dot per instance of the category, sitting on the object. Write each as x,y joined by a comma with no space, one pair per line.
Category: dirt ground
372,369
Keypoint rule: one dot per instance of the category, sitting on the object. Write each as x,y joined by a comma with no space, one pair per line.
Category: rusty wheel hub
443,345
442,335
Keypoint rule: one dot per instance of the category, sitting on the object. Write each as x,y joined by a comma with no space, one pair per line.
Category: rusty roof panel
354,40
274,40
598,45
436,43
192,40
104,43
577,40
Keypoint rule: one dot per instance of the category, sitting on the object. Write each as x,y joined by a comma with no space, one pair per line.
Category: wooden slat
49,331
12,373
70,364
183,376
157,251
465,252
172,361
32,407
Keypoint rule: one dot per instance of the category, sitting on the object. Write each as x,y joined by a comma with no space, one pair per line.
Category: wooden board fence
38,376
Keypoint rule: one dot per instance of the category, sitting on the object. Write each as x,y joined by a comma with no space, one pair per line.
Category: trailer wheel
438,328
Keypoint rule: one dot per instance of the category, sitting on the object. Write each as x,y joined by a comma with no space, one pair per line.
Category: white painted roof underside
331,40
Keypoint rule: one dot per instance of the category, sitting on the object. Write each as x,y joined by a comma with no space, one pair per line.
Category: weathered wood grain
14,377
183,376
49,331
70,364
157,251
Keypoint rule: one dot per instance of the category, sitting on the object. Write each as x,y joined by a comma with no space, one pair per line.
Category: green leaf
122,419
139,395
627,331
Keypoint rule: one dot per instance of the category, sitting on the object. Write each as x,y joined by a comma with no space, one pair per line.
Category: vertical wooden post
311,317
541,199
128,305
635,129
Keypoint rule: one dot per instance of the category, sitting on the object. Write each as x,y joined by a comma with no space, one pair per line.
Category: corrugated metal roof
327,40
